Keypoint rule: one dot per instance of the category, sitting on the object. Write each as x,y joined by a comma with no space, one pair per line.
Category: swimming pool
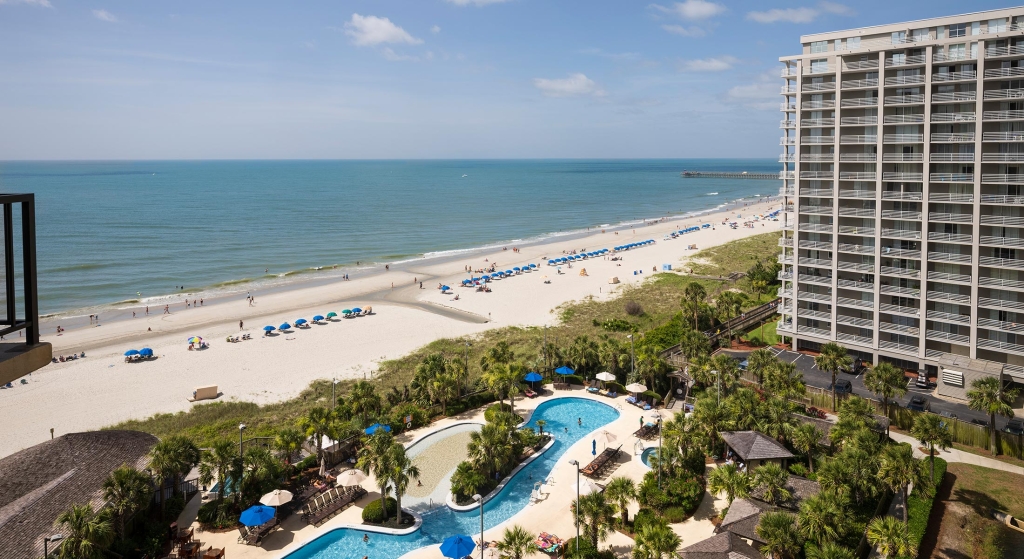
647,454
436,455
560,416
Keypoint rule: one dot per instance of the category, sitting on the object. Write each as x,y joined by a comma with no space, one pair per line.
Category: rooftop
751,445
743,518
913,24
800,488
40,482
722,546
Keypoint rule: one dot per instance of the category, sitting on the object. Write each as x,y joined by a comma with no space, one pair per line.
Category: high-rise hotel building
903,185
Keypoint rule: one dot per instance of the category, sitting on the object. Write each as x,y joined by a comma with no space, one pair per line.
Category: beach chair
530,393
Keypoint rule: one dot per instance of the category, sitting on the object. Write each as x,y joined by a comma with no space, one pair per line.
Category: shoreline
103,390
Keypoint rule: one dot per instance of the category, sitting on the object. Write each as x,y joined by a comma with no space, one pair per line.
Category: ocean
113,233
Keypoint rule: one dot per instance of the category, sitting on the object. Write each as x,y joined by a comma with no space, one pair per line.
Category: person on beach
147,309
387,267
167,309
240,325
133,314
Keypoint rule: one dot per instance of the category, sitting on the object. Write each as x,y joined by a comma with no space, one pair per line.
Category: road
813,376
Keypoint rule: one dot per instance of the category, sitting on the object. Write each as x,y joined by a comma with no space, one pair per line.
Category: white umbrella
351,477
605,376
605,437
636,387
276,498
586,487
323,467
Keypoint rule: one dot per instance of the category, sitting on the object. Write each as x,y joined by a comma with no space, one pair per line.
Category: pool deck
551,514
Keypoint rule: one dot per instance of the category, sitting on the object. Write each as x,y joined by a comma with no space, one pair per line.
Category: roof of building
725,545
743,517
823,425
40,482
800,488
751,445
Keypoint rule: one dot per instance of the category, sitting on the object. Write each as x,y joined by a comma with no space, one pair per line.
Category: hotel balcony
989,302
858,139
787,175
953,117
992,324
814,331
1002,157
956,278
807,313
857,194
951,177
860,84
900,272
854,339
1015,349
903,138
817,192
815,227
1001,199
855,303
857,212
902,157
816,262
961,298
901,215
854,321
787,158
1014,242
954,57
955,258
996,73
953,138
915,99
1001,262
823,104
952,157
899,328
954,76
817,157
901,195
905,80
858,120
947,337
899,309
788,90
859,102
897,347
790,72
857,176
862,231
785,241
901,234
861,65
994,94
911,177
787,124
999,137
816,174
903,119
1003,179
901,253
853,284
997,52
817,122
816,210
787,141
913,60
811,296
950,217
950,237
816,245
826,86
949,317
858,157
818,140
817,280
1003,115
1015,221
954,96
896,290
856,249
856,267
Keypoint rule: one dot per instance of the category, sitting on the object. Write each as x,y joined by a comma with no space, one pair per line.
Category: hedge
919,504
373,514
573,379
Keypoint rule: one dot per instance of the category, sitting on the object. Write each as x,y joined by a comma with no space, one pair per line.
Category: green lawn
770,335
985,489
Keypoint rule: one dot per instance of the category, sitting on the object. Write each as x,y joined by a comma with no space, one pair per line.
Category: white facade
903,178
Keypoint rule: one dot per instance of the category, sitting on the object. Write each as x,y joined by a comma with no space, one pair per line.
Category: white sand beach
102,389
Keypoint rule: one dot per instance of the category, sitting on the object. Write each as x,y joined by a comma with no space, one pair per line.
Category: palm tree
490,448
760,362
770,480
259,470
402,472
775,418
614,354
891,537
363,399
376,458
784,380
822,518
621,490
730,480
650,366
127,491
583,354
693,299
516,543
655,541
758,287
832,475
728,370
833,358
832,551
932,431
898,469
499,353
780,533
172,458
288,442
860,469
86,533
694,343
886,380
444,388
711,418
318,423
596,514
986,394
729,305
467,479
217,463
805,438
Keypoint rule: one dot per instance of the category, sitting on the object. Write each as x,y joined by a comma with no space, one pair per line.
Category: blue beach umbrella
346,311
377,427
300,321
257,515
593,451
318,318
457,547
516,268
533,376
357,310
146,352
284,326
533,265
131,352
445,288
269,328
563,370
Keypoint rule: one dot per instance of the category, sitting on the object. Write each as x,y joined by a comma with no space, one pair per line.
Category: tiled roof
743,517
801,488
40,482
751,445
721,546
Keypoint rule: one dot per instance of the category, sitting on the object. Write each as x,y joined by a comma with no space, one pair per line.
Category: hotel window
974,50
819,66
920,34
940,32
899,58
853,43
957,30
819,46
958,51
975,28
997,25
838,45
899,37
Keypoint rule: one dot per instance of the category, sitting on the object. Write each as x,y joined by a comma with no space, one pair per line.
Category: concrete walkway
954,455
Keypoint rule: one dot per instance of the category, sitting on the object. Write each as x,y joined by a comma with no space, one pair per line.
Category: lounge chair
530,393
612,394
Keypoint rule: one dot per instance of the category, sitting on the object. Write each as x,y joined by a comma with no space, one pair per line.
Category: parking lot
813,376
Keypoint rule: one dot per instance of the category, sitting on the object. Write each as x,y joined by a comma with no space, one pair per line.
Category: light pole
467,367
632,359
577,464
480,500
241,427
661,450
334,397
46,541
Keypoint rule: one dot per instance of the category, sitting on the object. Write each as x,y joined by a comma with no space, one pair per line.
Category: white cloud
691,31
762,94
475,2
799,15
435,29
104,15
692,9
40,3
716,64
373,30
576,85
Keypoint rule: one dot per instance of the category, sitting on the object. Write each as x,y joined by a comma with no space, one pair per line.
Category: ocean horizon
115,233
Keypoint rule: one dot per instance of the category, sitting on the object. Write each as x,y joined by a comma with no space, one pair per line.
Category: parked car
842,387
856,368
947,414
743,365
1014,427
918,403
981,422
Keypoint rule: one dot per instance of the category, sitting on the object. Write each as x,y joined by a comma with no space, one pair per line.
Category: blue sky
407,78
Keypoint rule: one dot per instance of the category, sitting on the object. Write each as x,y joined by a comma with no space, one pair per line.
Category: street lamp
334,398
577,464
241,427
480,500
46,543
632,359
661,450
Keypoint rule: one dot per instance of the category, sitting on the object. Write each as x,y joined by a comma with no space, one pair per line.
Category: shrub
373,514
491,414
616,325
684,492
586,549
798,469
644,517
919,504
633,308
675,515
467,481
615,387
651,394
307,462
396,418
217,515
174,506
573,379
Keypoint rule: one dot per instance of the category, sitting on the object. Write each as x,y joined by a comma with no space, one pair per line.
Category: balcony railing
989,240
862,231
899,328
857,176
1002,137
817,210
944,276
858,120
901,234
952,57
901,214
819,192
951,177
816,174
787,141
954,76
787,175
904,80
949,257
790,72
992,52
855,84
902,195
1003,115
816,227
1000,179
858,157
857,194
858,139
856,249
817,122
787,158
953,96
899,309
816,245
825,86
902,157
900,272
1002,157
903,138
946,336
1004,72
898,347
993,324
824,104
1001,199
857,212
817,262
949,317
811,296
851,284
854,339
854,321
1001,262
818,140
950,237
859,102
850,302
787,124
861,65
814,331
953,138
902,119
901,253
1002,346
905,61
788,89
891,176
912,99
1000,303
953,117
952,157
856,267
1002,220
954,297
895,290
817,157
819,280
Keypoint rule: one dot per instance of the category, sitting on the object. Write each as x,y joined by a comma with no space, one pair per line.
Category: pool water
561,421
647,454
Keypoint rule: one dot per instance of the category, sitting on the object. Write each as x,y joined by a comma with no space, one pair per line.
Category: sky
407,79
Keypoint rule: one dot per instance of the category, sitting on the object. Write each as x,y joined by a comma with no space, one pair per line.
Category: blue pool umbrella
268,328
457,546
593,451
257,515
563,370
377,427
533,265
284,326
318,318
532,377
131,352
300,321
146,352
357,310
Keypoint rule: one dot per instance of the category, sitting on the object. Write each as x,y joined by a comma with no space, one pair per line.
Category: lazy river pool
560,416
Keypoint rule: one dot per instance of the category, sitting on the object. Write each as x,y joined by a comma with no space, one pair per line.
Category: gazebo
743,517
725,545
754,449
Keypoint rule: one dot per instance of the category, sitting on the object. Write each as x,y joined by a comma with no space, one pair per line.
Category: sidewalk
954,455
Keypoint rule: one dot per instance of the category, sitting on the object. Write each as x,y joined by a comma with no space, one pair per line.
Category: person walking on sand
147,309
240,325
167,309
